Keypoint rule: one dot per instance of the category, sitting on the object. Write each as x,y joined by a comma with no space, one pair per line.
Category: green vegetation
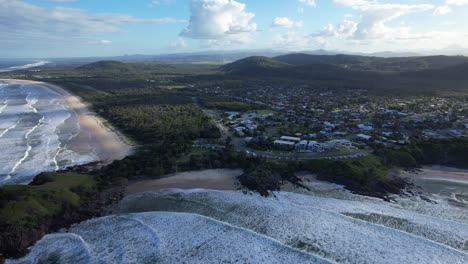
233,106
211,62
375,63
449,152
26,205
28,212
365,175
254,65
397,80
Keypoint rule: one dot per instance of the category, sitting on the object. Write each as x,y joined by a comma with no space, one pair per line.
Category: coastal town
312,123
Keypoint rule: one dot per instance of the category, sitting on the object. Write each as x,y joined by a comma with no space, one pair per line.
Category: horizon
86,29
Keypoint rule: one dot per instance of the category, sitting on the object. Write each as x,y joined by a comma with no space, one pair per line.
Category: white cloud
22,22
378,26
442,10
219,20
180,43
308,2
298,41
456,2
61,1
99,42
284,22
374,19
352,3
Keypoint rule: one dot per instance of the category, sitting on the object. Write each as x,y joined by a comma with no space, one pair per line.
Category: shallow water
35,127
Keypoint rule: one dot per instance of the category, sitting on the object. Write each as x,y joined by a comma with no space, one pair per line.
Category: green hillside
375,63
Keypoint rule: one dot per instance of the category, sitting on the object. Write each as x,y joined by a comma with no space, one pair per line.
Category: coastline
108,143
212,179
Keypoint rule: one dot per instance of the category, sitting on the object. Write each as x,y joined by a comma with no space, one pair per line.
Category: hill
335,75
255,65
108,66
398,64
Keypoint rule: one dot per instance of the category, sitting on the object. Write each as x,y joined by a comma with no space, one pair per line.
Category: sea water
325,225
35,127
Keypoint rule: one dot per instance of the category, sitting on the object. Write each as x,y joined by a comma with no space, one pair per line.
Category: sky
83,28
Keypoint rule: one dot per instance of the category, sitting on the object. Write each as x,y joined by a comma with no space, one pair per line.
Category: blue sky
75,28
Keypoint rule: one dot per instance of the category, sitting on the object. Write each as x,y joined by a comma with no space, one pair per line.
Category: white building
282,144
291,139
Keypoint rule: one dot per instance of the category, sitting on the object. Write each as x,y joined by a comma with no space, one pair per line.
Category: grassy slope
27,212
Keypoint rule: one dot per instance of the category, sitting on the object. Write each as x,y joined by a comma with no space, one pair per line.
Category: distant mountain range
219,56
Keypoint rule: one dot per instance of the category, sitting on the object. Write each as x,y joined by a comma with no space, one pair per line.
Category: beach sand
217,179
440,173
107,143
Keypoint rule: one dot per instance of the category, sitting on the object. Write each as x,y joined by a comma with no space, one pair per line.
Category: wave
29,147
10,128
165,237
343,231
35,130
26,66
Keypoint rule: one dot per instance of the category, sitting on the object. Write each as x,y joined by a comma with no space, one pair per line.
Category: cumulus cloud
375,17
219,20
374,20
284,22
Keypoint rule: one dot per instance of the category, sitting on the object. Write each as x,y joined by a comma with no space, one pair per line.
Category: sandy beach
440,173
107,143
217,179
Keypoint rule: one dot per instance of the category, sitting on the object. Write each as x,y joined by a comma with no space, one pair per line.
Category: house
366,127
341,143
314,146
301,146
282,144
290,139
248,139
364,137
239,129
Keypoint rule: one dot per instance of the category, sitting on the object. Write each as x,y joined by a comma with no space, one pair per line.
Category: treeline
162,122
366,175
448,152
229,104
52,201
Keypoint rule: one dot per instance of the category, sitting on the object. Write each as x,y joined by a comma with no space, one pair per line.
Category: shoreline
109,144
212,179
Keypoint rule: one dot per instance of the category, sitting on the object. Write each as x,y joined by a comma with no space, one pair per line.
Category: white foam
344,231
32,146
164,237
26,66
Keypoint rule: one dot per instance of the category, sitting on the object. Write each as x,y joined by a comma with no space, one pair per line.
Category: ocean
326,224
35,128
7,66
